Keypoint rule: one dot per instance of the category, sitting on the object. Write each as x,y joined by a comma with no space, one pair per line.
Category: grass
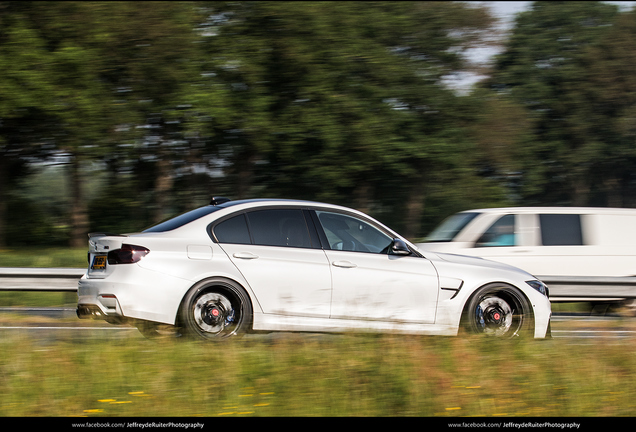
37,299
316,375
43,257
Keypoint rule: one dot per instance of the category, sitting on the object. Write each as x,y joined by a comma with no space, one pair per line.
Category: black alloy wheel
498,310
216,309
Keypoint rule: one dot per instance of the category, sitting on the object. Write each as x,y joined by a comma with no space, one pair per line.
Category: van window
501,233
450,227
561,229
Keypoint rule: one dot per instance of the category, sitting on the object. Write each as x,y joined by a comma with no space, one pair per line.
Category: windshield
451,226
183,219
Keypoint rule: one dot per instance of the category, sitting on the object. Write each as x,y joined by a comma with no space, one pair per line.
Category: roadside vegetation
114,115
22,256
48,257
317,375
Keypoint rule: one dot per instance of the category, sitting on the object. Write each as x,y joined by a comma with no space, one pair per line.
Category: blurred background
117,115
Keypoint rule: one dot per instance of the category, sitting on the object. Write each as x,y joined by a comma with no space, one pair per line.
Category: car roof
268,200
210,212
260,202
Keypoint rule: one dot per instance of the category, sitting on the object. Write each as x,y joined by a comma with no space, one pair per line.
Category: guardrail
562,288
40,279
590,288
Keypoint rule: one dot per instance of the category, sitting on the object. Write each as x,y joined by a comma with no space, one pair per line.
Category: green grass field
317,375
44,257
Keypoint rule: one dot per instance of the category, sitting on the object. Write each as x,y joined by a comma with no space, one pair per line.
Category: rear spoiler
104,234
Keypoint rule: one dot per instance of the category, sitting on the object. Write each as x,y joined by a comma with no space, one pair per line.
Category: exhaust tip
87,312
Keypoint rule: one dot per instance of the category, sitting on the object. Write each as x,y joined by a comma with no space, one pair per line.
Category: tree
151,60
105,75
24,99
610,86
337,101
544,68
333,100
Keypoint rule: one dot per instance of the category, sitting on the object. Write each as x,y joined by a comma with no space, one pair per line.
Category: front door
369,283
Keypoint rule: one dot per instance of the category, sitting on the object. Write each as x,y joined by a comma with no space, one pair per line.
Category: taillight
128,254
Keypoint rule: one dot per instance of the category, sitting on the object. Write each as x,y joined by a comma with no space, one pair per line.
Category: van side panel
608,237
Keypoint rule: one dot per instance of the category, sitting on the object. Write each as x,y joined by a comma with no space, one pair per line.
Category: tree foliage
545,68
155,106
336,100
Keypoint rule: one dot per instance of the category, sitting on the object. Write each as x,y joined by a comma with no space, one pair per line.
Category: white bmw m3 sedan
268,265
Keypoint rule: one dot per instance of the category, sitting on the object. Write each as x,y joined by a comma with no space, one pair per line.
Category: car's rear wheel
216,309
498,310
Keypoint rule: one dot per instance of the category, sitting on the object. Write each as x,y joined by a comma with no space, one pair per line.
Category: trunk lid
99,244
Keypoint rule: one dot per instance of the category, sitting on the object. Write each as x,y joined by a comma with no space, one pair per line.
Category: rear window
233,230
451,226
183,219
561,229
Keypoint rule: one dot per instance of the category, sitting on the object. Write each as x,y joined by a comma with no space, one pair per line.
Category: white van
595,247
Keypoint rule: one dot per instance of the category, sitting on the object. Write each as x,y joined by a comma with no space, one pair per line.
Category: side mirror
399,247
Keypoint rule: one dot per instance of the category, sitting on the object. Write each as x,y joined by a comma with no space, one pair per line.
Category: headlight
539,286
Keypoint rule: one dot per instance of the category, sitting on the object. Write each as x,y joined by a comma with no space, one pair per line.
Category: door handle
344,264
245,255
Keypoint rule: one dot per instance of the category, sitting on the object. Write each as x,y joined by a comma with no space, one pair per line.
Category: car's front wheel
498,310
216,309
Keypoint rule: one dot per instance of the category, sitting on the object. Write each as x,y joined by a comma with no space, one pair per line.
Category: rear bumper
101,306
95,312
131,293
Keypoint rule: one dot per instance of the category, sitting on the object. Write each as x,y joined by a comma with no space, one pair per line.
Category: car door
369,282
281,261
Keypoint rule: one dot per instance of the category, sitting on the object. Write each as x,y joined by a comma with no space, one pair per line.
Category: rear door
280,258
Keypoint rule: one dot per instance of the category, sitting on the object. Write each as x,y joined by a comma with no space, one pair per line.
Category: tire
498,310
216,309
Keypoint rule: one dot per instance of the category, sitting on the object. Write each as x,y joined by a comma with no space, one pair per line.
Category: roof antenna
218,200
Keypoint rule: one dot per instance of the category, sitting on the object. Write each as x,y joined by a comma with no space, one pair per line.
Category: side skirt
272,322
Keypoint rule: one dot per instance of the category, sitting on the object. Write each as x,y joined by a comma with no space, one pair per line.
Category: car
266,265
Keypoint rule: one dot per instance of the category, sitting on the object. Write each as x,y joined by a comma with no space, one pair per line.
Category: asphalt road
49,324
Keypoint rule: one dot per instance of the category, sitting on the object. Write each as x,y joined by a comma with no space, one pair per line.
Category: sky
507,9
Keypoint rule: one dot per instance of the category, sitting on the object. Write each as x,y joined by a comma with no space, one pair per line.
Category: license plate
99,262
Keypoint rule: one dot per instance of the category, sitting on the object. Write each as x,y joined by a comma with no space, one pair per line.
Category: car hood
471,261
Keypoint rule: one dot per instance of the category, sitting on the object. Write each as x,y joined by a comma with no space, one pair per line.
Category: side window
279,227
233,230
352,234
561,229
501,233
